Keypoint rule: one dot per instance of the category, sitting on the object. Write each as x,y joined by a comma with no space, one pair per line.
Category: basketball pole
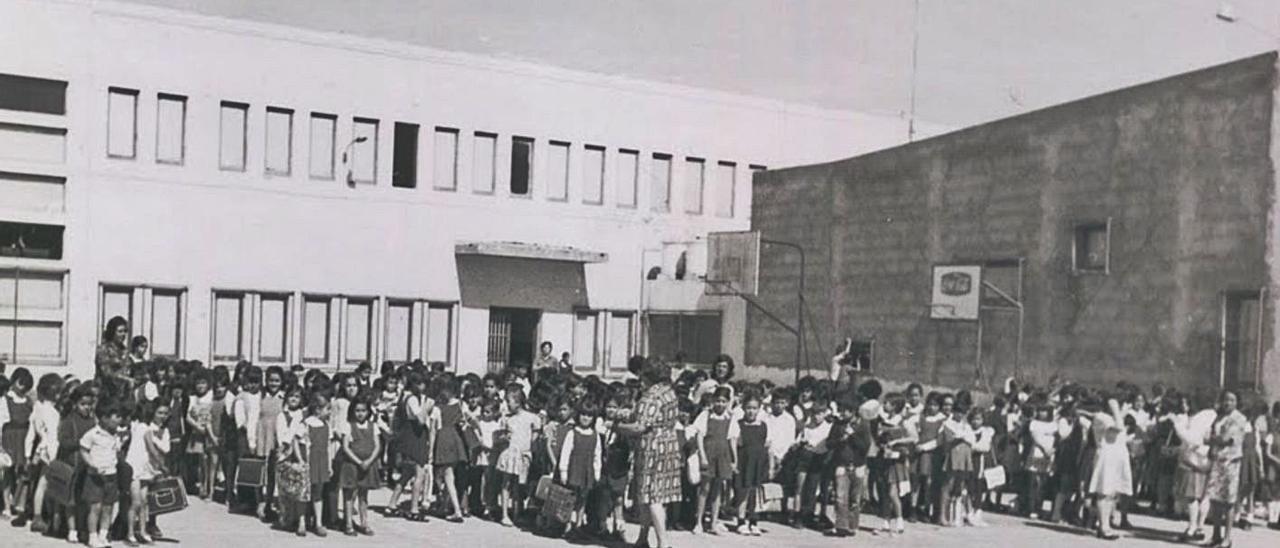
799,303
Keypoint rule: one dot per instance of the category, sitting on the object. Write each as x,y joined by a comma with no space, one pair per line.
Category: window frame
243,346
133,130
493,162
657,158
529,171
286,328
587,149
455,171
333,146
415,324
1079,243
371,332
633,182
244,136
690,162
398,176
182,128
553,147
328,301
266,139
450,333
38,316
356,121
732,204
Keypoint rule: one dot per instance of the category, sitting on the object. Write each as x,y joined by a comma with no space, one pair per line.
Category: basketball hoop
733,263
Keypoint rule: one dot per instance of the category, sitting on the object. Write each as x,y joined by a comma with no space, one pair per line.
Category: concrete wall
1182,167
199,228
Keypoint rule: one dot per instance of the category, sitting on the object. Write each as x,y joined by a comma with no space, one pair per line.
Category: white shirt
699,425
44,427
782,432
815,437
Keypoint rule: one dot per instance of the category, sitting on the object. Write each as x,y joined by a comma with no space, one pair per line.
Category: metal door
499,339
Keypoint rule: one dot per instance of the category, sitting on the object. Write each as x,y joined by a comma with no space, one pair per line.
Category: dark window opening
33,94
695,335
521,165
1241,332
404,162
1092,243
30,241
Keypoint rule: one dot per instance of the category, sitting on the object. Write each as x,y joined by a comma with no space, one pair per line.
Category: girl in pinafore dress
319,456
895,440
926,427
955,443
199,418
218,427
717,435
414,435
581,459
358,465
520,425
449,449
16,421
270,407
292,459
753,465
983,449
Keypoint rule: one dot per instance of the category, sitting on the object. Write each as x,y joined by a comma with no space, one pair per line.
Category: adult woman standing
1226,449
657,461
111,362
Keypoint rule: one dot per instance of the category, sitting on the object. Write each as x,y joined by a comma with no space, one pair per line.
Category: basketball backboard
733,263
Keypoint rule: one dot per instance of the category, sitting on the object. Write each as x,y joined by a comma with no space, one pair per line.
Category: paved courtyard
207,524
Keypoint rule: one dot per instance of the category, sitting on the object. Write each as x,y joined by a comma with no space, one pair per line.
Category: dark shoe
154,531
20,521
39,526
838,533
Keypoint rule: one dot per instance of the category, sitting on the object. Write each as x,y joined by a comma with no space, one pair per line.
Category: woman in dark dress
111,362
657,459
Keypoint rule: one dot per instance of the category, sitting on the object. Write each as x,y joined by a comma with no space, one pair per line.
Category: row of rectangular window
360,156
261,326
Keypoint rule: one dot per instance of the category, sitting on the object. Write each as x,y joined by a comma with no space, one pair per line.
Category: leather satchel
166,496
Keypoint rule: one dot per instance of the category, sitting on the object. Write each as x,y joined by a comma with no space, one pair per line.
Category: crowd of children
499,446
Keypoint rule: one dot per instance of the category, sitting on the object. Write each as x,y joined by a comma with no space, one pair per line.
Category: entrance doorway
513,336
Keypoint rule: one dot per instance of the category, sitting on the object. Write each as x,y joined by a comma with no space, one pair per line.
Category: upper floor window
29,240
234,124
122,123
446,159
364,151
593,175
695,170
521,166
660,187
1091,249
279,141
323,127
483,160
171,128
558,171
29,94
404,156
627,178
725,192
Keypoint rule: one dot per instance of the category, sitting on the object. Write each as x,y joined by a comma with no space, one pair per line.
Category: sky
974,60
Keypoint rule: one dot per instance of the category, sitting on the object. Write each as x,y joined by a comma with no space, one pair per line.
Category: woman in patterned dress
657,461
110,361
1226,449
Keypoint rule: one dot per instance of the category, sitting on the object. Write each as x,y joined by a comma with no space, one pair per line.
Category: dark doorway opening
513,336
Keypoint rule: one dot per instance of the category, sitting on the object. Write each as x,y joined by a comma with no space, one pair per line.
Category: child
925,427
243,442
521,425
199,420
415,417
77,420
753,464
292,463
1039,459
811,458
983,437
42,441
15,422
215,445
955,442
449,450
581,460
850,440
895,440
617,463
99,450
359,465
782,429
270,405
148,447
486,457
319,455
717,434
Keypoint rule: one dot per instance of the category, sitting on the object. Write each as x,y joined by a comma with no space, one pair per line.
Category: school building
1129,236
241,190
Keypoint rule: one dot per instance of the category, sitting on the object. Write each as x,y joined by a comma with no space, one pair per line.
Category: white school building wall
224,239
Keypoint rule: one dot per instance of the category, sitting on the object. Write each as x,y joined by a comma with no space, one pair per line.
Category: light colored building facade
249,191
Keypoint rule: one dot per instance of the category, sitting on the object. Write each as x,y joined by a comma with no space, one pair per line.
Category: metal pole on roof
915,50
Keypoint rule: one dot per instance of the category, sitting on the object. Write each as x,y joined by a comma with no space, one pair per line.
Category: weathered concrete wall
1181,166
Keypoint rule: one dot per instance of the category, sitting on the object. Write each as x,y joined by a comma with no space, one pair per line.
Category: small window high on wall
627,178
695,170
724,192
28,94
404,160
323,127
364,151
233,146
122,123
279,141
483,160
660,183
558,171
171,128
521,166
31,241
593,175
